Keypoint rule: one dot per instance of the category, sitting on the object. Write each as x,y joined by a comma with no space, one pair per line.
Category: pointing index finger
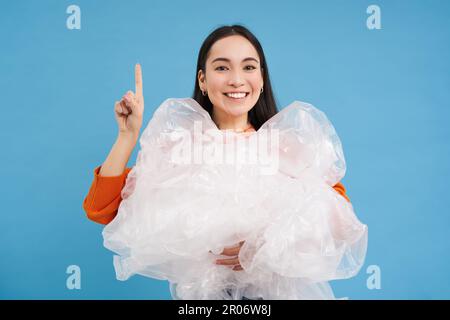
138,79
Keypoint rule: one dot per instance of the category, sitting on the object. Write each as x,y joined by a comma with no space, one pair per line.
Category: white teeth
236,95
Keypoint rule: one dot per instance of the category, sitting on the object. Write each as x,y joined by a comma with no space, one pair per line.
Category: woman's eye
247,68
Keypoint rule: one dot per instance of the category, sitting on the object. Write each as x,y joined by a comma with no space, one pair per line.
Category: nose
235,79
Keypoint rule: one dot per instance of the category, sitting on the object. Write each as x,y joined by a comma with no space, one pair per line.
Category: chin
237,111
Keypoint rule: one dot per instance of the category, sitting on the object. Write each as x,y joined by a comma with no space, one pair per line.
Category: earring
204,93
262,89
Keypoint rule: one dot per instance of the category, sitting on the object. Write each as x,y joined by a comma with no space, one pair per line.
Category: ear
201,78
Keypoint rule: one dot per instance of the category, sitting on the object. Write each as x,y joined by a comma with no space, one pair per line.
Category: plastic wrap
196,190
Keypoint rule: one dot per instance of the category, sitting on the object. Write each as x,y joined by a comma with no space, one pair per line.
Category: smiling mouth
237,97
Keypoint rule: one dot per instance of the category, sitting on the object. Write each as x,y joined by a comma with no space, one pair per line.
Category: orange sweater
104,196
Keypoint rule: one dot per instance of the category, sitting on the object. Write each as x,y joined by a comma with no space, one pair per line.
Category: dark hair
265,107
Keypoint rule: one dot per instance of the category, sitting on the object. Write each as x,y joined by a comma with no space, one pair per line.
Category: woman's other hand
234,253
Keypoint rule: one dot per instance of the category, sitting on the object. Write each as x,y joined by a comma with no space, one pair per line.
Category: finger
130,102
138,80
129,94
125,109
118,107
233,251
238,268
228,262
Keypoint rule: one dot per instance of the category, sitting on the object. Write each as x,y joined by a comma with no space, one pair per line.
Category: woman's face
232,66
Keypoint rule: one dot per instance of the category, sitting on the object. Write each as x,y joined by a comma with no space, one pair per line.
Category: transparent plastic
184,202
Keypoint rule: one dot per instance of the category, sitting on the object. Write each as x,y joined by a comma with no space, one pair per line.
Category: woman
232,85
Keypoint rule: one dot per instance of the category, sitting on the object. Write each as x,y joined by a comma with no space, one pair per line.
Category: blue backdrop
385,90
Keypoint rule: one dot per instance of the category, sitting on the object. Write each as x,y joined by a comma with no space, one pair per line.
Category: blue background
386,92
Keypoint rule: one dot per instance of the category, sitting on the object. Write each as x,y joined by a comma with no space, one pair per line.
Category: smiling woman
231,62
225,230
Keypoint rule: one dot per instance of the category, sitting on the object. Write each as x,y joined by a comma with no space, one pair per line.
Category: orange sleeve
104,196
339,187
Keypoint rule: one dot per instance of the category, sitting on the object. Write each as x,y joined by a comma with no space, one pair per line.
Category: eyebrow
228,60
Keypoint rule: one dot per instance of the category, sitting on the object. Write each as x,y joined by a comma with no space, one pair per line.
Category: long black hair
266,106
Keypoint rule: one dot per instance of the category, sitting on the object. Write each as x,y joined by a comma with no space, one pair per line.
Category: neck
226,122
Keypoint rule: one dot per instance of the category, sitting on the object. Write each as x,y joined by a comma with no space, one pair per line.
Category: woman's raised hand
129,110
